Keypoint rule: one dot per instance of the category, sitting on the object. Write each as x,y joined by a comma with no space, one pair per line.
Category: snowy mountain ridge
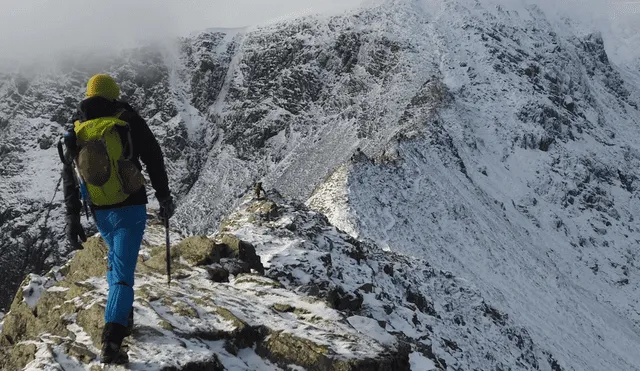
499,144
542,212
326,302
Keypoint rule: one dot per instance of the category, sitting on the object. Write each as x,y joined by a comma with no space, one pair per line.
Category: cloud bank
35,28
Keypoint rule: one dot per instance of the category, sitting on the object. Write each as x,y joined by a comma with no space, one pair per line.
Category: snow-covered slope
526,183
341,303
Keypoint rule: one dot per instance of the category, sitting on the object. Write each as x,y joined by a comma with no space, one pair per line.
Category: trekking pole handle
61,152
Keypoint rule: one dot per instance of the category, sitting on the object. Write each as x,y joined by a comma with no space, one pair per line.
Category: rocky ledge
277,288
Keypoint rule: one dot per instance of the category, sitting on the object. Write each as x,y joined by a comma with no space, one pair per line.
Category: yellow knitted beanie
103,86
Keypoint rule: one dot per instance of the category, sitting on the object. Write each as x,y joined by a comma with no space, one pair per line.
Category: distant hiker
102,167
258,190
358,155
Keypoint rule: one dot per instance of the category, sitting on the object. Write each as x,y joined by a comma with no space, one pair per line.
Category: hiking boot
112,337
112,353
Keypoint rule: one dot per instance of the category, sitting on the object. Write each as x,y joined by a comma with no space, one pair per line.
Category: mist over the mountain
34,31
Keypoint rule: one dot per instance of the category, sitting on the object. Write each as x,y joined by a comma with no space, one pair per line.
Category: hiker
103,168
258,191
358,155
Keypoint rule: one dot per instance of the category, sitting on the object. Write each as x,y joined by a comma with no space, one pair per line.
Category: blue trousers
122,229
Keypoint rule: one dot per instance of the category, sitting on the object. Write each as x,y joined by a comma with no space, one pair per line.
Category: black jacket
145,149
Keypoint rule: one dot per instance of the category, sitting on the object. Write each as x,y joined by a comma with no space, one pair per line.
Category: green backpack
104,160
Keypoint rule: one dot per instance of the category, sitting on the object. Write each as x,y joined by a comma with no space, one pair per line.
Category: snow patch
57,289
371,328
421,363
34,289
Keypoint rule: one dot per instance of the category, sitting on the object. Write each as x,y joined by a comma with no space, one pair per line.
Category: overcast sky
28,26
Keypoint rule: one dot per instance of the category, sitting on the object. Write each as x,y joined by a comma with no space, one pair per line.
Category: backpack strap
129,143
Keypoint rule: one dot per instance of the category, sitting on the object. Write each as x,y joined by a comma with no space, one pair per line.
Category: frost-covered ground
165,338
194,319
328,296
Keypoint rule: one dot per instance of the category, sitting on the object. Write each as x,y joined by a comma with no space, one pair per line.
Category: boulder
243,250
200,250
218,274
18,357
235,266
90,262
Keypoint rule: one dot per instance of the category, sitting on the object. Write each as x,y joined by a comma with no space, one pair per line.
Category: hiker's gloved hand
75,232
167,208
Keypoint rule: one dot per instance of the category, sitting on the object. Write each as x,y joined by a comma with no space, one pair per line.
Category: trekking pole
46,216
84,194
168,256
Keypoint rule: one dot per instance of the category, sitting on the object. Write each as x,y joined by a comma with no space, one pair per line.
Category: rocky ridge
526,180
325,302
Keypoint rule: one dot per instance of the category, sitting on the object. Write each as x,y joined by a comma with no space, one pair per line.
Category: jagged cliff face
497,144
300,97
527,181
285,103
